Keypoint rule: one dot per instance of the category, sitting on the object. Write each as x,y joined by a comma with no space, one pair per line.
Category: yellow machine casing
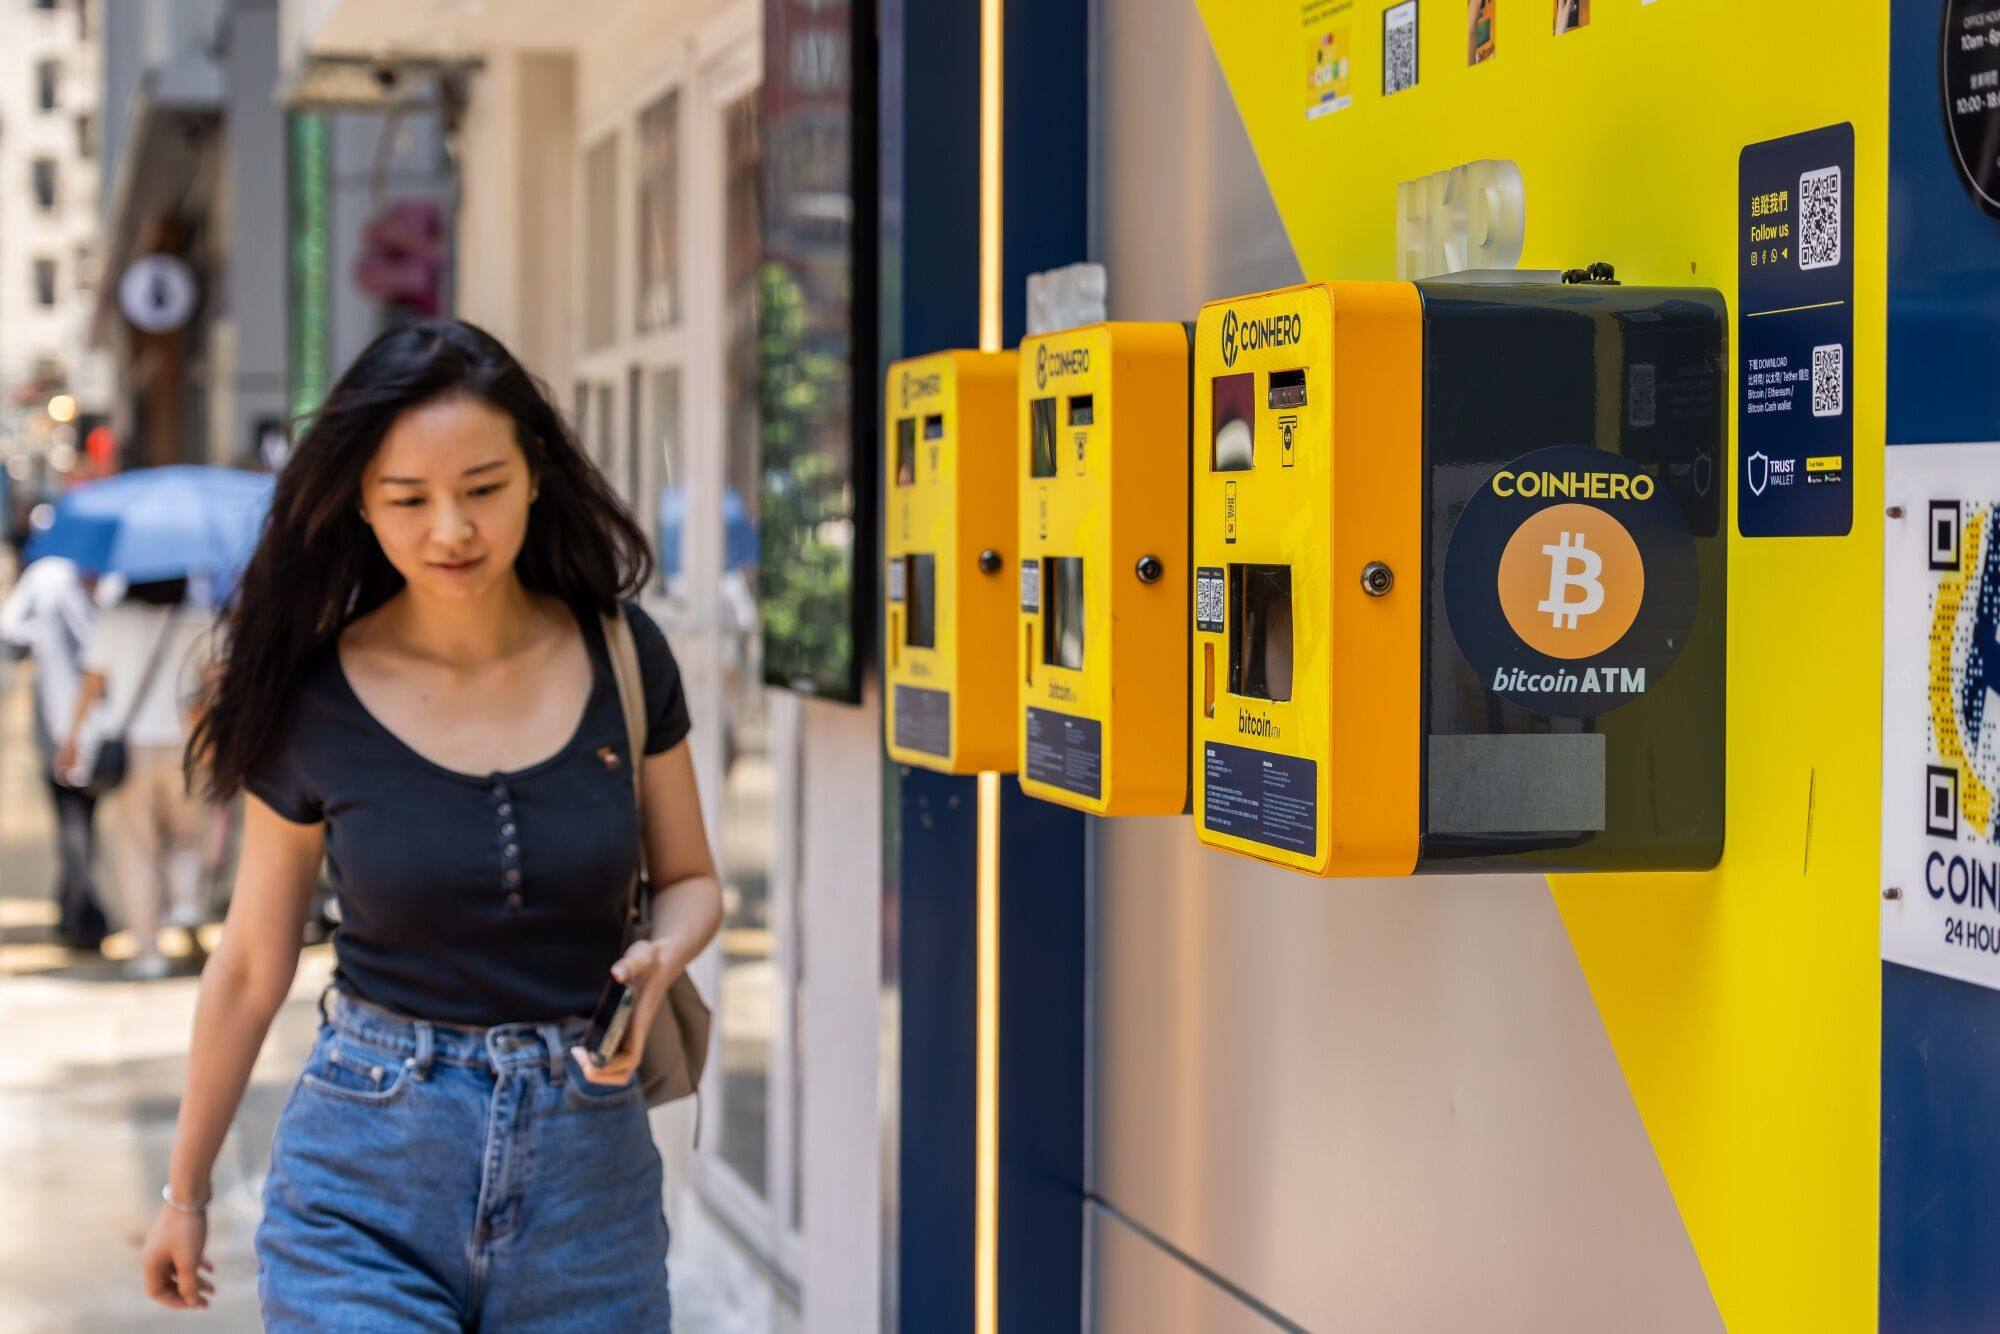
950,569
1102,457
1337,484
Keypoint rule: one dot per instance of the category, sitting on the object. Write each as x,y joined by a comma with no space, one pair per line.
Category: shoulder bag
677,1043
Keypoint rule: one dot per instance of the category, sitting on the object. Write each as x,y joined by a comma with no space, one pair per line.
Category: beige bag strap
677,1046
632,699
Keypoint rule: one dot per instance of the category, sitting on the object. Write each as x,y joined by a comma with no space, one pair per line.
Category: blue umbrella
739,531
161,523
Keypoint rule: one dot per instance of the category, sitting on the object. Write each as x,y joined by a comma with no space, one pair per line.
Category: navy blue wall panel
1044,225
1940,1153
929,300
1940,1256
936,940
929,209
1944,258
1042,1074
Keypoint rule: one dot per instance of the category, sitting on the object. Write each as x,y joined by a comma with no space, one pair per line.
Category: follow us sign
1941,711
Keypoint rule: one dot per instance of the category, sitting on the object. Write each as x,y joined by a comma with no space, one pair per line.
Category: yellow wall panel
1743,1004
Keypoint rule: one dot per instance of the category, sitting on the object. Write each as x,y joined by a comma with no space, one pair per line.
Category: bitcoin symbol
1564,556
1570,581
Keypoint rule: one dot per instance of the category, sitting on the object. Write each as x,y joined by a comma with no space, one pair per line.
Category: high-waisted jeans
434,1177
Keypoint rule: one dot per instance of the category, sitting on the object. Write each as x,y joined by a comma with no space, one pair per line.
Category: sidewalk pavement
90,1082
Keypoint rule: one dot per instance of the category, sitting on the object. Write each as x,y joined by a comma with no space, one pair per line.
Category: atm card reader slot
1288,389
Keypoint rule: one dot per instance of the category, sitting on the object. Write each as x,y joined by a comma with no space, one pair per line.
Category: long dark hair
317,566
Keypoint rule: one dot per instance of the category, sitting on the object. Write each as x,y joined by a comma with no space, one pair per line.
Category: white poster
1941,711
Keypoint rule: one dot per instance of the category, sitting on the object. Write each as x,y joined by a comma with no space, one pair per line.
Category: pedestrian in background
48,617
141,664
420,687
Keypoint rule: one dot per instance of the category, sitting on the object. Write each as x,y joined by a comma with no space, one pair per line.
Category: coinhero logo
1249,335
1063,361
921,386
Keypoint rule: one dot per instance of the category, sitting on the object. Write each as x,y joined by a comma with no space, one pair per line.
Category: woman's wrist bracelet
194,1210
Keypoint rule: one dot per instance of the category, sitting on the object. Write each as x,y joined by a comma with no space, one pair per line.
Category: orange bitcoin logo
1571,581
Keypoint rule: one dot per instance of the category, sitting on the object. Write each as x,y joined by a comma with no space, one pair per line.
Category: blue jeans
432,1177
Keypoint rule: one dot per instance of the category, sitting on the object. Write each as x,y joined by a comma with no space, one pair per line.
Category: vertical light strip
991,71
986,1132
986,1093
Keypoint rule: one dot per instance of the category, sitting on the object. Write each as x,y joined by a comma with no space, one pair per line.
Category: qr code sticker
1031,585
1642,392
1819,218
1209,583
1399,47
1829,365
896,579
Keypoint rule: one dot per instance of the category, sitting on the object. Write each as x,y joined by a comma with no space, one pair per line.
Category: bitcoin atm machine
1459,577
949,549
1102,465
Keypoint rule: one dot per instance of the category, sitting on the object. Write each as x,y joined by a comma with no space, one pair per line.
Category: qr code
1642,393
1208,593
1031,585
1399,47
1829,396
1819,218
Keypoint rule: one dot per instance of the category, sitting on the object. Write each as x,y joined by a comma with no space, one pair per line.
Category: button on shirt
475,898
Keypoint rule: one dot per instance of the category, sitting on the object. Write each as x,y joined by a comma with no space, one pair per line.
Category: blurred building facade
50,126
249,252
192,223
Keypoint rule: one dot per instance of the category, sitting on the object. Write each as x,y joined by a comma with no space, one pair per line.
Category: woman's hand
176,1276
64,764
645,971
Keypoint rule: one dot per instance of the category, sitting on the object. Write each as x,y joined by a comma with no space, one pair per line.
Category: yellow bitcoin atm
1459,576
949,552
1102,467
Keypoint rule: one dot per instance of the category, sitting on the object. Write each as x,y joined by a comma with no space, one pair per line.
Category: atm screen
922,623
906,451
1235,419
1042,430
1062,600
1260,639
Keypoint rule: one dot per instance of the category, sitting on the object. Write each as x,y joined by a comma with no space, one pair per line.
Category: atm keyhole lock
1149,569
989,561
1377,579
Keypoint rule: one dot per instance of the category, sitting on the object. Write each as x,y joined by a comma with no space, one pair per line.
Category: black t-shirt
467,899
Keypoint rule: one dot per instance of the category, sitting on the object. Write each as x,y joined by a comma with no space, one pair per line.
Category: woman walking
418,686
142,665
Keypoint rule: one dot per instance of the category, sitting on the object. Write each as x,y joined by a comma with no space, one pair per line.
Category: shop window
757,985
603,444
670,512
659,215
600,243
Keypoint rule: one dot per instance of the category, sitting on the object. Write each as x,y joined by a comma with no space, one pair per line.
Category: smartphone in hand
608,1023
